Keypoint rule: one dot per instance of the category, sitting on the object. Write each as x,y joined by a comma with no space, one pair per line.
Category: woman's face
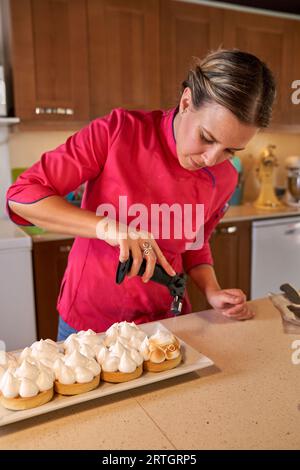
208,136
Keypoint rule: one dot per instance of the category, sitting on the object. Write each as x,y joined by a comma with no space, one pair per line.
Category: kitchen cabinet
272,39
74,60
192,30
186,30
124,54
49,263
50,60
295,76
231,250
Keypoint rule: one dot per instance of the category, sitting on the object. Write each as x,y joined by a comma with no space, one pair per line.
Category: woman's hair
237,80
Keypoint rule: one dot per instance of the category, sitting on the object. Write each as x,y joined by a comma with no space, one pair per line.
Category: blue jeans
64,330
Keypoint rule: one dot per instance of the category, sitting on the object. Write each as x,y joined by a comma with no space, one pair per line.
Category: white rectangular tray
192,360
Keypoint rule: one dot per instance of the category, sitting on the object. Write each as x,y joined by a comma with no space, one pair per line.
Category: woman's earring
184,111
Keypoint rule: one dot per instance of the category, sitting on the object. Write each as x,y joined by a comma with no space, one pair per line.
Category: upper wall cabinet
186,30
124,54
50,59
74,60
272,40
295,75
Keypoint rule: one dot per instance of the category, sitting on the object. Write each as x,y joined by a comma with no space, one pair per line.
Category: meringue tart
76,374
76,388
118,377
167,364
20,403
162,352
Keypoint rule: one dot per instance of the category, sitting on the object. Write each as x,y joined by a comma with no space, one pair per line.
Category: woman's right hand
129,240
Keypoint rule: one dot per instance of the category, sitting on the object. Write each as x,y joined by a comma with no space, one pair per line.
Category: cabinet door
49,52
124,54
186,31
231,250
50,261
271,39
295,75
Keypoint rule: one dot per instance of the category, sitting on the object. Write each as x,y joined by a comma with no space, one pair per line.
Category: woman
146,159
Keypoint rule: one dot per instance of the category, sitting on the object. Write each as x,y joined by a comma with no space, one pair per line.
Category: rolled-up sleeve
62,170
193,258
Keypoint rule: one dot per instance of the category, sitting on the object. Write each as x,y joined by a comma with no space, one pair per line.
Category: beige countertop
249,399
249,212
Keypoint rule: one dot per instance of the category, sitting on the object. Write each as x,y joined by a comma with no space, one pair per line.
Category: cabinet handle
65,248
231,229
68,111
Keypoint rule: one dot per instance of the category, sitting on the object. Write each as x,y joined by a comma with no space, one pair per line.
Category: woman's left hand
231,303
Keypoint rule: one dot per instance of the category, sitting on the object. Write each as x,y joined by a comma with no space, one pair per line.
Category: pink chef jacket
129,153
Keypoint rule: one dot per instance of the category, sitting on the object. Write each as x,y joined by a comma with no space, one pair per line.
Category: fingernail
173,272
145,280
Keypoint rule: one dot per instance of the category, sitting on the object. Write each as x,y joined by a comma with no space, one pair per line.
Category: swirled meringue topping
83,374
27,370
127,330
90,338
94,367
157,355
128,334
162,338
117,349
75,359
76,367
144,349
57,365
111,334
127,364
26,381
28,388
102,354
110,363
172,351
7,360
9,385
45,349
65,374
135,342
25,354
163,345
71,343
87,350
45,345
136,356
47,362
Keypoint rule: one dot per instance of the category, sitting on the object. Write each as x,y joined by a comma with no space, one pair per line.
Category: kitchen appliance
175,284
275,255
292,165
17,311
237,196
267,198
